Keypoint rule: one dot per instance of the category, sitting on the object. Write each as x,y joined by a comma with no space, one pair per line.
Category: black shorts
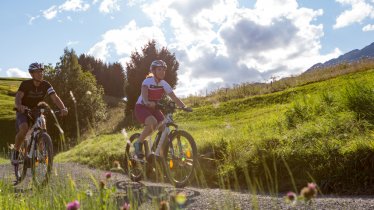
20,118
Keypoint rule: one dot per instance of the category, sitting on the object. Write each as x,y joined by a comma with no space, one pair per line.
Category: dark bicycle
174,149
36,152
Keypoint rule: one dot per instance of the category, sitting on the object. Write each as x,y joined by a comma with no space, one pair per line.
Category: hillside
321,132
349,57
8,88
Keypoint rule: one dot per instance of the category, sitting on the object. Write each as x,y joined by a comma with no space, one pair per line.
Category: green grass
3,161
99,151
314,130
310,128
8,89
88,193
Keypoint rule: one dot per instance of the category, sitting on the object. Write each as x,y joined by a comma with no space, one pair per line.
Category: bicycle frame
30,157
39,126
167,151
168,122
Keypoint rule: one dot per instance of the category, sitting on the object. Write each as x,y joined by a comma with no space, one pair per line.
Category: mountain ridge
351,56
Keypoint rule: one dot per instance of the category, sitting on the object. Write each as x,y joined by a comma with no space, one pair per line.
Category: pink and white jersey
155,90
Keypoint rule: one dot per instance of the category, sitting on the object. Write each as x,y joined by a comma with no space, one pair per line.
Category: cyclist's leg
150,126
20,136
160,119
21,128
144,116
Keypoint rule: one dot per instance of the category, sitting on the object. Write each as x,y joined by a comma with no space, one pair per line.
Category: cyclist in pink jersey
153,89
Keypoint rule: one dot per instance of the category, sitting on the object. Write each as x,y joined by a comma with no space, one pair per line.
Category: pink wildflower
108,175
73,205
291,196
125,206
309,192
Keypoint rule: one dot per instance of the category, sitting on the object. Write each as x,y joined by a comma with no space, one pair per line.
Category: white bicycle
36,151
175,151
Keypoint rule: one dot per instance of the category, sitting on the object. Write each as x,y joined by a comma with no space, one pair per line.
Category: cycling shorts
142,112
20,118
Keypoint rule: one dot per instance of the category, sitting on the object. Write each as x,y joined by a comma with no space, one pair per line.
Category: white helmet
157,63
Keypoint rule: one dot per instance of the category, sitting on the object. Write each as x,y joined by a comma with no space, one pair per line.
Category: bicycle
37,150
177,155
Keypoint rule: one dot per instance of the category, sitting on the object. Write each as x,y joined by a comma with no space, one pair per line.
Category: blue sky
217,42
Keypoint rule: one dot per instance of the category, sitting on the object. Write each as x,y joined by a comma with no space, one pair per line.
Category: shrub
359,98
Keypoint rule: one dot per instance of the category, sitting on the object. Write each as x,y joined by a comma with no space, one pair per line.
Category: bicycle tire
42,157
180,166
23,164
132,166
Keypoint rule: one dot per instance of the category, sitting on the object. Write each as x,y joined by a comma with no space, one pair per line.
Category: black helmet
35,66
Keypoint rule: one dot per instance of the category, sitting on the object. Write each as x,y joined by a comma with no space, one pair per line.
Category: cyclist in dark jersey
29,94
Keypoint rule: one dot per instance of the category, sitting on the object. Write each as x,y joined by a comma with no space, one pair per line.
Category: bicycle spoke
180,158
42,160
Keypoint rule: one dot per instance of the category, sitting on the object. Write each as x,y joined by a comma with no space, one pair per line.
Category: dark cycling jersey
32,94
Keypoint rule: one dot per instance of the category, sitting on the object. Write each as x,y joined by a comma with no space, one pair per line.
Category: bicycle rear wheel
180,158
42,160
133,167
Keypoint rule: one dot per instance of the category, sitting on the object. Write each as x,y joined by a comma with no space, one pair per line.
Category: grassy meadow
8,89
273,142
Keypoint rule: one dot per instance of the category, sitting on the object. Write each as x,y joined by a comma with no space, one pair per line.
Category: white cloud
359,11
132,3
125,40
108,6
100,50
74,5
70,43
31,20
50,13
219,43
69,5
15,72
369,27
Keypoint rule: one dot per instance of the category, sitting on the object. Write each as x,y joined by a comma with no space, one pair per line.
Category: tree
68,76
138,68
110,76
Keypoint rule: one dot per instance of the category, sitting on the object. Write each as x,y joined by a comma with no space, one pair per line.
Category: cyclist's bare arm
18,102
59,104
176,100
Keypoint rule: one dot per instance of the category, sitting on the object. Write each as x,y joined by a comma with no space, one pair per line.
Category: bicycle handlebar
171,106
38,108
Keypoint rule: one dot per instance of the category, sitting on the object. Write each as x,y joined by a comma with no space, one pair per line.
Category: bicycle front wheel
42,160
23,164
180,158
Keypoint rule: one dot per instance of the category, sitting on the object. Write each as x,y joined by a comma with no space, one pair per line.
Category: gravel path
197,198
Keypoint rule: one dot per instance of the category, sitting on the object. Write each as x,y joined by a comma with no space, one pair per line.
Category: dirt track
197,198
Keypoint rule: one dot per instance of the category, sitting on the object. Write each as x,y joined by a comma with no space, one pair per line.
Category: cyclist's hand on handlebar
21,108
63,112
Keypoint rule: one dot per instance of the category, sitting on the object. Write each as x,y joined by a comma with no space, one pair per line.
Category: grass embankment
277,141
61,195
4,161
8,89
